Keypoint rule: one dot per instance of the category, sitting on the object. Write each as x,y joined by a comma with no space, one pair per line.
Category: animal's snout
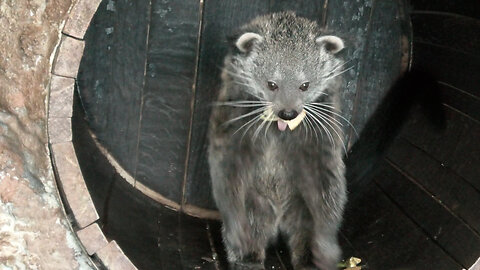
287,114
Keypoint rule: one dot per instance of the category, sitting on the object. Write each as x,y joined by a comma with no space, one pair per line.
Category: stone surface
92,238
113,258
61,97
60,130
73,185
68,57
34,233
80,18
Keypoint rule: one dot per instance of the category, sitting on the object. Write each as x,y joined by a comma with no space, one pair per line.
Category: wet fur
269,182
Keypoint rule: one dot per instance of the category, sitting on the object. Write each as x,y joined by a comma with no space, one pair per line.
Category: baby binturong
276,144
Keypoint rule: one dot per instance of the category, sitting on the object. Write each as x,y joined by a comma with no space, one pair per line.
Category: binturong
276,144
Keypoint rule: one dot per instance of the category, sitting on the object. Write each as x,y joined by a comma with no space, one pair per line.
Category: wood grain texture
110,193
450,66
111,75
380,65
387,239
459,149
427,212
167,96
194,244
219,19
352,22
461,100
453,32
463,8
440,181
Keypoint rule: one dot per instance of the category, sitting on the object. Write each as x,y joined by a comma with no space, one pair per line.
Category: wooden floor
393,226
421,209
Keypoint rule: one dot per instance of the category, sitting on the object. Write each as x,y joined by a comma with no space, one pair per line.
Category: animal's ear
245,41
331,44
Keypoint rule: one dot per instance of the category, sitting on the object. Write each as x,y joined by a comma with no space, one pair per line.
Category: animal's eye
272,86
304,86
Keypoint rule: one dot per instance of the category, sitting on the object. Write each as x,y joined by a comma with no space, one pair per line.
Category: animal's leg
324,196
246,242
297,226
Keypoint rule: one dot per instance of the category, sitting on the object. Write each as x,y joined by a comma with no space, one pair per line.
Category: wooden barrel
150,71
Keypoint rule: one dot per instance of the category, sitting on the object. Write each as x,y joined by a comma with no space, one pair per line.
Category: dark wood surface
150,72
462,8
439,181
112,72
388,239
381,62
353,23
167,95
447,231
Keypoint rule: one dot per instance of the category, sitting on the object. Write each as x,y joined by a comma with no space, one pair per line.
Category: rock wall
34,233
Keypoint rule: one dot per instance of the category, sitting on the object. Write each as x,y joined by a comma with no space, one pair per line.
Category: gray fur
265,181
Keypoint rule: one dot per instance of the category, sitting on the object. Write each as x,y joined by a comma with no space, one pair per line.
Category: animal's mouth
268,115
282,125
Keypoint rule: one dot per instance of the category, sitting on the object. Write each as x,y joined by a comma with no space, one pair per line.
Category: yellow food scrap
351,264
268,115
292,124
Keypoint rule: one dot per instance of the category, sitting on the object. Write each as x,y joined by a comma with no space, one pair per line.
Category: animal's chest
273,171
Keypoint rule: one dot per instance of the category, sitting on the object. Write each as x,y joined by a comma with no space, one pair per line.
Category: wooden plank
140,239
381,61
446,230
440,181
459,149
132,224
194,245
167,96
115,47
450,66
457,33
465,8
465,159
216,242
351,21
220,18
461,101
388,239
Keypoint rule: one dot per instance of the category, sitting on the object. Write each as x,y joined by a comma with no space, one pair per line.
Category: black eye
304,86
272,86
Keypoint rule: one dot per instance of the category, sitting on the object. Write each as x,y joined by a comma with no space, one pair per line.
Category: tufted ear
331,44
245,42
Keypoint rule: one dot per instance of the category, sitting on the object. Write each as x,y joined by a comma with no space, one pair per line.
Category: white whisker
325,120
245,115
339,73
327,115
243,104
259,128
251,120
313,130
339,115
269,123
329,135
256,119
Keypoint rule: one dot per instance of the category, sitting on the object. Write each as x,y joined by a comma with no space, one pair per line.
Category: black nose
287,114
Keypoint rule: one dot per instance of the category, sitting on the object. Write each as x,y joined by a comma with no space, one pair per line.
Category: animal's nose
287,114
